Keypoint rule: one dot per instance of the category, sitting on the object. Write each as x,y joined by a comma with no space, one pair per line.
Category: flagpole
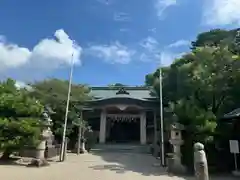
62,154
161,115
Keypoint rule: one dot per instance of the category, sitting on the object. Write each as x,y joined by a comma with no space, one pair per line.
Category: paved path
101,166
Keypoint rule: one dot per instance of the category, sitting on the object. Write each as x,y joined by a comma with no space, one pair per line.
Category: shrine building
123,114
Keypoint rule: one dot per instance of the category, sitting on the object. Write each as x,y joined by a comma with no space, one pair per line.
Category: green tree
199,87
218,37
53,92
20,123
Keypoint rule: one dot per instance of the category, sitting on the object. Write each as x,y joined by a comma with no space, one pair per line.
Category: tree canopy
202,85
20,114
53,92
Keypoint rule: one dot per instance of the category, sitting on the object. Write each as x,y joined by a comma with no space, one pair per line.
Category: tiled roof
143,93
233,114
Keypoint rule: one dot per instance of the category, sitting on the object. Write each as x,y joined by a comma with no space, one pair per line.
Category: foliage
19,118
53,92
218,37
201,86
16,134
117,85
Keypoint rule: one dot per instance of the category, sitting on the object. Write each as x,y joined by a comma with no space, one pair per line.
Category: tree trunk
6,155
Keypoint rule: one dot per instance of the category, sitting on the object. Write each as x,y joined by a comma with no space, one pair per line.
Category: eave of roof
121,97
118,87
233,114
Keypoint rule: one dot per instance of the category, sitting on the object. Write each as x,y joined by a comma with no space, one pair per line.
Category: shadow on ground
11,162
143,164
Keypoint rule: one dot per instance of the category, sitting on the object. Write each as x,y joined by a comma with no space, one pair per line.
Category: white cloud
169,53
41,61
106,2
56,52
153,30
162,5
11,55
124,30
179,43
47,54
153,52
221,12
144,57
113,53
150,44
20,84
167,57
121,16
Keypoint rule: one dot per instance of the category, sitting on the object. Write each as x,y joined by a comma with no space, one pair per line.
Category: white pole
67,109
161,115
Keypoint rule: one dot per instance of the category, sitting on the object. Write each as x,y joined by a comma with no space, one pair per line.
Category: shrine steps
125,148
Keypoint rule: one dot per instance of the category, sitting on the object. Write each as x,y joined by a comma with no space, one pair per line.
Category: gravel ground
99,166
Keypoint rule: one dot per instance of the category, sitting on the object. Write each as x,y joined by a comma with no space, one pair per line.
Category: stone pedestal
176,165
40,159
236,173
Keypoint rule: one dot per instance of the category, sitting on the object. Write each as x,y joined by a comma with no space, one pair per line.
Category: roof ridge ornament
122,90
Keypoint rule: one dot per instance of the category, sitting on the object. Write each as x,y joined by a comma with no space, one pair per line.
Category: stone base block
83,151
236,173
175,168
38,163
178,169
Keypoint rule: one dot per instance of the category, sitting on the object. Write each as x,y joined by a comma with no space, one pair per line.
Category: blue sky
112,40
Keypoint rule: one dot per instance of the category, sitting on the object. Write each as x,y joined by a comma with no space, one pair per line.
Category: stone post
200,162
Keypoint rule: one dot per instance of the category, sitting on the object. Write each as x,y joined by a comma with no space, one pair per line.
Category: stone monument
200,162
40,158
174,163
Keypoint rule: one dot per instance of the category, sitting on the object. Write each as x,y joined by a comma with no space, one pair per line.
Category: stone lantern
176,141
46,138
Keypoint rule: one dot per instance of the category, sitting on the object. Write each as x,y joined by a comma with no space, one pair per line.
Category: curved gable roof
139,93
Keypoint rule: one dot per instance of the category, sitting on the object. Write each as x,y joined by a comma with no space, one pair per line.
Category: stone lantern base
38,163
236,173
174,165
39,159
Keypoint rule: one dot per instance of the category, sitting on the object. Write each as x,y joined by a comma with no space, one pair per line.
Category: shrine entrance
122,123
123,129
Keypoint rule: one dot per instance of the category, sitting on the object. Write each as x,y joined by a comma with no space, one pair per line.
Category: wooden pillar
143,128
155,128
102,135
